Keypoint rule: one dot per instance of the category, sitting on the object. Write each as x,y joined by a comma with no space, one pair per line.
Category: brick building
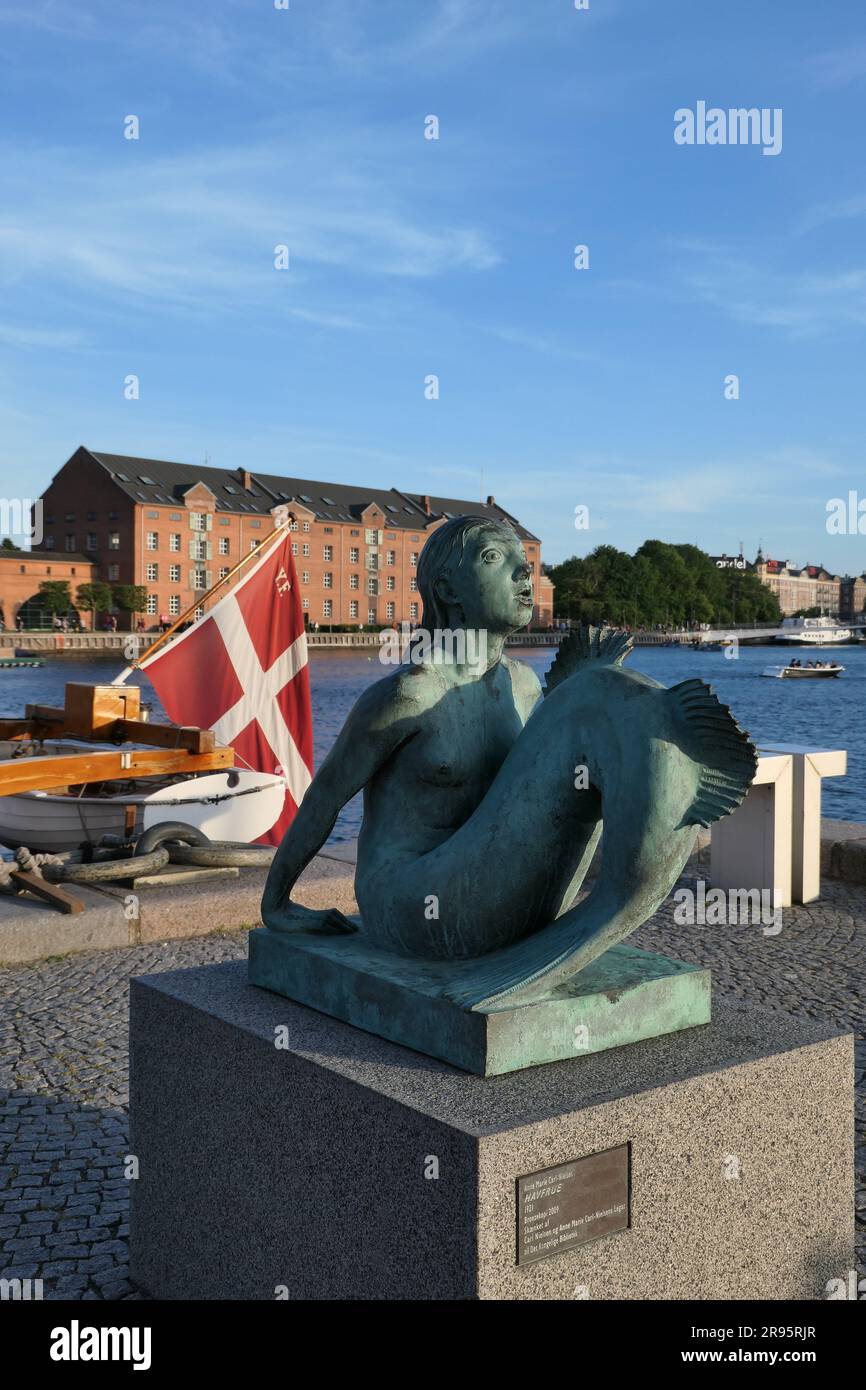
176,528
801,587
21,573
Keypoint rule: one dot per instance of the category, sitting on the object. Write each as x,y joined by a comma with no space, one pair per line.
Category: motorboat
819,672
813,632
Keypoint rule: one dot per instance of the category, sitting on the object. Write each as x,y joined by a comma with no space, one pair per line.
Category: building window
92,541
114,516
175,516
353,555
224,545
327,580
372,586
390,582
256,525
353,581
370,536
389,611
306,526
153,516
152,573
70,543
413,538
224,572
328,553
354,533
254,545
70,516
413,611
353,608
114,571
413,585
293,526
390,535
225,521
49,542
153,540
305,603
174,605
294,547
328,530
199,613
392,557
413,558
305,549
174,573
198,550
199,580
327,605
151,604
305,576
371,615
174,541
198,521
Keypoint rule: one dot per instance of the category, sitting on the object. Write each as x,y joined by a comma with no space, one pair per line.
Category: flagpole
197,603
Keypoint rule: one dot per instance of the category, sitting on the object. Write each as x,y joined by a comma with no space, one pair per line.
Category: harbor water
820,713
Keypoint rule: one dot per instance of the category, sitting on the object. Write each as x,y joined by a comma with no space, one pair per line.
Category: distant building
800,587
853,597
176,528
21,573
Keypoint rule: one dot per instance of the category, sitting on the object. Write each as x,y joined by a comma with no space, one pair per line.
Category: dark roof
161,483
71,557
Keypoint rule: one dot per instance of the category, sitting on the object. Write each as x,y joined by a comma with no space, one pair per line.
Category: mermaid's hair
443,553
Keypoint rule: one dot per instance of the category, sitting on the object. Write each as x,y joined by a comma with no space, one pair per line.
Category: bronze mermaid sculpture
484,795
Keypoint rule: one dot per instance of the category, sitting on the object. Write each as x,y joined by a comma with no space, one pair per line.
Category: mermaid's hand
292,917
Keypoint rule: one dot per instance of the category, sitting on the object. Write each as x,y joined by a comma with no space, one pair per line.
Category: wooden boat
69,776
803,672
235,804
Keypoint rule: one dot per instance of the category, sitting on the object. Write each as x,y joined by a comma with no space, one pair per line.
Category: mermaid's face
493,583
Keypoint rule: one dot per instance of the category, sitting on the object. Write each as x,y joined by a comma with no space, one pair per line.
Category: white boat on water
829,668
232,804
813,632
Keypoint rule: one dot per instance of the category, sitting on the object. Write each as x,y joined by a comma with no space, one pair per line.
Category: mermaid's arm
377,725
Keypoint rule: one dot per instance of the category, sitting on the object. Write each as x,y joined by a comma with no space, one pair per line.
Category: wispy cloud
839,67
202,228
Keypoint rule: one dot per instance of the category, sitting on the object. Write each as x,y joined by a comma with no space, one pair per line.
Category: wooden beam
35,774
164,735
49,892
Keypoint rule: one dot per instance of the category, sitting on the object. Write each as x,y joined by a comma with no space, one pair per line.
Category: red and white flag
242,671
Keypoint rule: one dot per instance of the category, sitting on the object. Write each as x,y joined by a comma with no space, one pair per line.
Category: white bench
773,841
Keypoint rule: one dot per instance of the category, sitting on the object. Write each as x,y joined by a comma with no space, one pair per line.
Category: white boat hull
235,804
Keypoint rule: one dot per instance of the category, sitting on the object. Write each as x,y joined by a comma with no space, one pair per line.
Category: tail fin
587,643
727,756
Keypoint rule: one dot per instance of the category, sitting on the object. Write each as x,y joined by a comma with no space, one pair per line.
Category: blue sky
558,387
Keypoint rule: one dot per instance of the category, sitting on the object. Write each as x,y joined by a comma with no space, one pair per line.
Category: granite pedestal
285,1154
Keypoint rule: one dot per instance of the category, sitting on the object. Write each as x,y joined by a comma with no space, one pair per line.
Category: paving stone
63,1034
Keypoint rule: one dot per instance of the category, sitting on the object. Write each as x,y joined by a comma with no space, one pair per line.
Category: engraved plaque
559,1208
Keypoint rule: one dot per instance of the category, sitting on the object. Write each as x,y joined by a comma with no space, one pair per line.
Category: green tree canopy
132,598
55,596
660,585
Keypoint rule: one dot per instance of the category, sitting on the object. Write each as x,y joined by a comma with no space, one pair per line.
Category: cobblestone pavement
63,1034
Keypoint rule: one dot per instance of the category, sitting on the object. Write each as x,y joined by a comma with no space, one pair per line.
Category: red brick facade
173,529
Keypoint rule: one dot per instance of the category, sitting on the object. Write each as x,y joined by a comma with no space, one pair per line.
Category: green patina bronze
483,806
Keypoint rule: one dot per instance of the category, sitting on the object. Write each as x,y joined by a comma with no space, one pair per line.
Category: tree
132,598
96,597
7,543
55,596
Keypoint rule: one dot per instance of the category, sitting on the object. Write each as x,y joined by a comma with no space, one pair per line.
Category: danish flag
242,671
